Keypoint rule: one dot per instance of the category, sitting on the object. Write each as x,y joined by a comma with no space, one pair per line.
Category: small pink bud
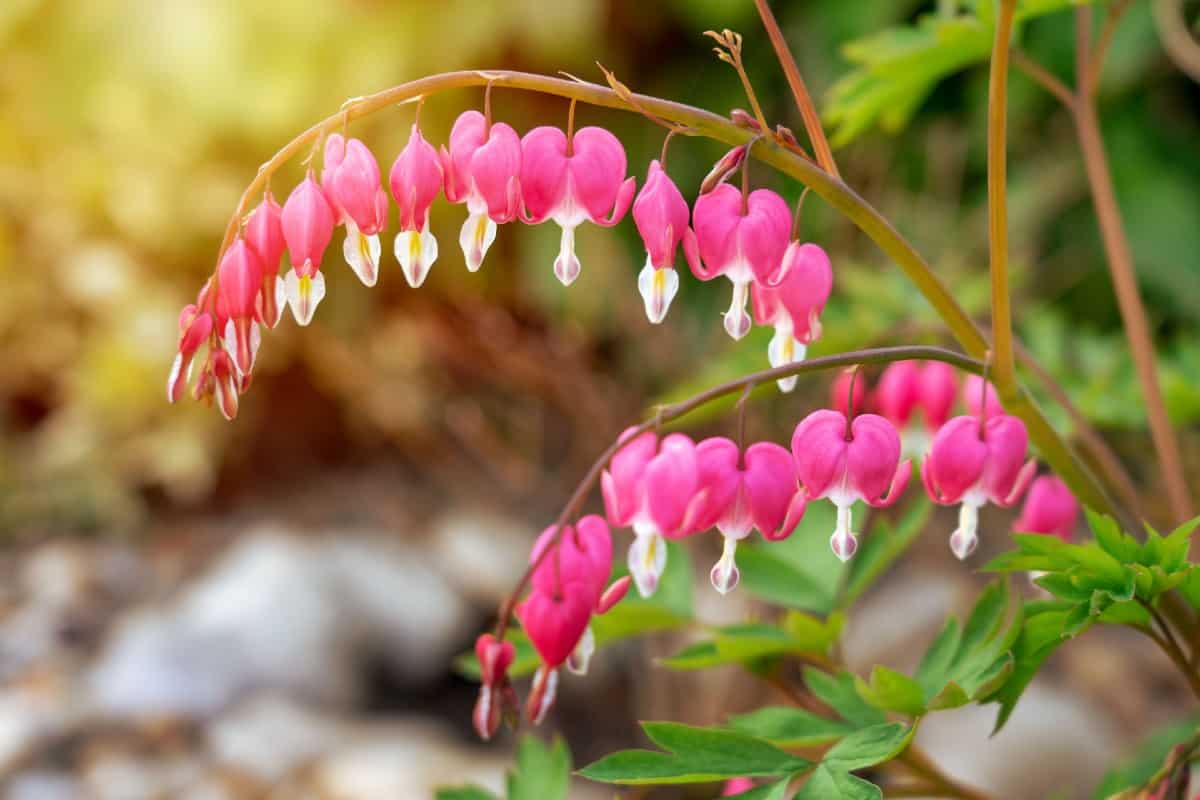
725,166
239,278
495,657
264,233
225,384
975,463
541,694
974,394
614,594
847,462
744,241
736,786
573,182
195,326
1050,508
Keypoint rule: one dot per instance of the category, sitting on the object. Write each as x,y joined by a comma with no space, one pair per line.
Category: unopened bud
613,594
541,695
726,166
744,119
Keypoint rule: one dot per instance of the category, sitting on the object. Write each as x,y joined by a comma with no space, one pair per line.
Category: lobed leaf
542,773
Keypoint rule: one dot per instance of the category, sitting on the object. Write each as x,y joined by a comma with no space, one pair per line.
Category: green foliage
832,778
800,572
800,634
773,791
897,68
541,773
962,665
787,726
694,755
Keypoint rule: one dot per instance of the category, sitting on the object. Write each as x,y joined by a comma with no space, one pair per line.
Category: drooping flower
975,395
973,462
352,184
568,588
916,398
743,239
307,222
839,392
239,283
1050,508
847,461
661,215
219,380
572,181
757,491
482,168
264,232
653,487
416,180
495,690
195,326
794,306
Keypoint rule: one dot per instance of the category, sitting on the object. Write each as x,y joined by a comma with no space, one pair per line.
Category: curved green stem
1003,370
704,123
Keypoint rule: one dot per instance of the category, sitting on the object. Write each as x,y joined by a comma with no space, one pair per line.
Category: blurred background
271,607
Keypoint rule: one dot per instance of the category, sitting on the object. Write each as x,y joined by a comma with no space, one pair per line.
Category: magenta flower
555,623
736,786
974,462
1050,508
909,387
495,690
352,184
219,380
195,326
482,168
938,391
743,239
572,182
793,302
849,461
307,222
264,232
653,487
839,392
239,281
739,495
661,215
974,394
416,180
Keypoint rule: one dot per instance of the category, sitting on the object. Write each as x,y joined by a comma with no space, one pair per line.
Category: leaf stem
808,111
1002,335
921,764
1167,643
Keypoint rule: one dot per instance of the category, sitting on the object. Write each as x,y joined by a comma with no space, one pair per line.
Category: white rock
482,554
271,735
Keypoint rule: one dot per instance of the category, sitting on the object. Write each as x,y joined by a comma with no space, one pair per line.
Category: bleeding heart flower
793,302
495,690
219,379
759,492
974,462
938,391
555,623
482,168
352,184
264,232
416,180
839,392
1050,508
307,222
239,281
654,488
582,554
195,326
848,461
661,215
572,181
908,387
743,239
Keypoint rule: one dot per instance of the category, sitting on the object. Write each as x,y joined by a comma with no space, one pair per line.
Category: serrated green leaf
936,663
744,644
1042,630
1061,585
694,755
464,793
1110,537
542,773
1189,587
880,548
839,693
868,747
890,690
830,784
790,727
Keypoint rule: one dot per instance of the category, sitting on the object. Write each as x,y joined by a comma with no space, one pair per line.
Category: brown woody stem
1002,335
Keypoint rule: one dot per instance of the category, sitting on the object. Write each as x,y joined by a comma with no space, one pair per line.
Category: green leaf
1043,629
799,572
744,644
839,693
542,773
790,727
464,793
868,747
880,548
892,691
1110,537
694,755
830,784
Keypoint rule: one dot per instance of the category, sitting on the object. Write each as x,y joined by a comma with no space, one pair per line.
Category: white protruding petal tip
737,321
416,251
725,574
581,656
658,288
647,560
844,546
362,254
304,295
476,238
566,266
963,544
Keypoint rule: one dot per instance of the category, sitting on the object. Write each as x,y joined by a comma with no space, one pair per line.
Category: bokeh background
271,607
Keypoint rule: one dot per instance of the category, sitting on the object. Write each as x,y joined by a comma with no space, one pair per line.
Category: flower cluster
568,177
570,584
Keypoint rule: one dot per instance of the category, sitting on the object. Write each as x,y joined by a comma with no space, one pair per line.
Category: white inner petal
658,288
